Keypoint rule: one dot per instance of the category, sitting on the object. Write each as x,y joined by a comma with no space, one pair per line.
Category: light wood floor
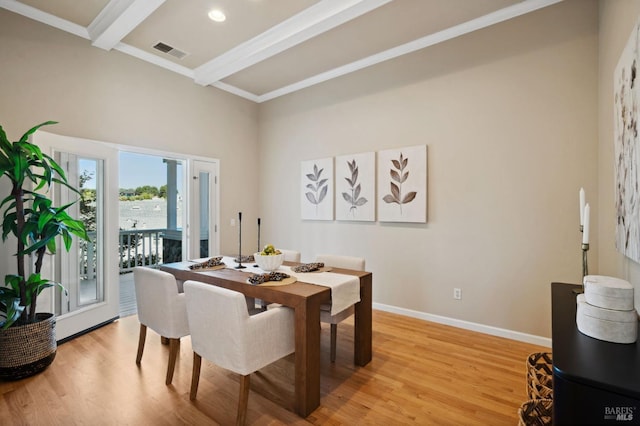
421,373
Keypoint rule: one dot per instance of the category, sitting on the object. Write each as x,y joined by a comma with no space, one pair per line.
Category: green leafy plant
399,176
31,217
354,198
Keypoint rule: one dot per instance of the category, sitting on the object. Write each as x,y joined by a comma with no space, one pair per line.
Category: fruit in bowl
269,259
269,250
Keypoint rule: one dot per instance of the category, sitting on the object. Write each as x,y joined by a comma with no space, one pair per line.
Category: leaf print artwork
318,188
353,198
399,176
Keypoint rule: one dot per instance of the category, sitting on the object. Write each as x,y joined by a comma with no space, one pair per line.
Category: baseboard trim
467,325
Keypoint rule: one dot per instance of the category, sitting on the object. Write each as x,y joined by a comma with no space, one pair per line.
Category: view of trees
146,192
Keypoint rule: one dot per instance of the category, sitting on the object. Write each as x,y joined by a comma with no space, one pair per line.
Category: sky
141,169
135,170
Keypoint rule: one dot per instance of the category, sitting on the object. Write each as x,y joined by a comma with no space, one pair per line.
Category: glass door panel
203,237
81,268
92,286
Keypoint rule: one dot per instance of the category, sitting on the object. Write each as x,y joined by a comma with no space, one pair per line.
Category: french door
202,235
89,271
94,271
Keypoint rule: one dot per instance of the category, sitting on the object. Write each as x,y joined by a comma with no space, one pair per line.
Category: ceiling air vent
170,50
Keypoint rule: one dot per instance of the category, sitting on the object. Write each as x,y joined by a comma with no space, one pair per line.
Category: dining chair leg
334,334
174,347
244,399
195,376
141,340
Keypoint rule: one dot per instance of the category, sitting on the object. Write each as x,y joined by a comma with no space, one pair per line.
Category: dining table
305,299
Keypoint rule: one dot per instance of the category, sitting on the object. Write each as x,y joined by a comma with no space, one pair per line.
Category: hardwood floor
421,373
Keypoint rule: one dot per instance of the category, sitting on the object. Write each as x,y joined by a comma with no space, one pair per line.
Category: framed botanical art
627,148
316,182
402,184
356,187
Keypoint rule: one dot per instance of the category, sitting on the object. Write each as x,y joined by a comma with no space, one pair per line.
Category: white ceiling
268,48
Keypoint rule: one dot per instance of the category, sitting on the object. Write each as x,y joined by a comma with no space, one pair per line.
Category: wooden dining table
305,299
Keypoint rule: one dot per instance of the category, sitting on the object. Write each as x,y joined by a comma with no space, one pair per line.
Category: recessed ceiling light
217,15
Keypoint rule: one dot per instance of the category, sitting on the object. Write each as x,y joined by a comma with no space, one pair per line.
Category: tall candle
585,232
582,204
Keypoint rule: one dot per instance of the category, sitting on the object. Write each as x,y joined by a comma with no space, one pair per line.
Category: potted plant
27,338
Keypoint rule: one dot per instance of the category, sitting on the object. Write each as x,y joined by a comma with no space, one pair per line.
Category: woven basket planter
28,349
540,376
536,412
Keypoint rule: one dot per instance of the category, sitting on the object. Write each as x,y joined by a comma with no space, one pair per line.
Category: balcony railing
137,247
140,247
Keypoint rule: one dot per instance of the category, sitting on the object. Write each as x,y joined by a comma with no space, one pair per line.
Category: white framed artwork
627,148
356,187
402,185
316,182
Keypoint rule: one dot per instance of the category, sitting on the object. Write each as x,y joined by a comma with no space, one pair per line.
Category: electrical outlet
457,293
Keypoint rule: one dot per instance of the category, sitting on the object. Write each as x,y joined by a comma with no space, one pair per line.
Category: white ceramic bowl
269,263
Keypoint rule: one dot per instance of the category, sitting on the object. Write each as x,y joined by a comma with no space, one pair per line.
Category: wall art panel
402,184
317,189
627,149
356,187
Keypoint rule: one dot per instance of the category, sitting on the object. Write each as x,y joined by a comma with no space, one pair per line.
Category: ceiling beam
484,21
315,20
119,18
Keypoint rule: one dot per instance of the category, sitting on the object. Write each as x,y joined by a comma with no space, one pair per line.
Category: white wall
617,18
47,74
509,115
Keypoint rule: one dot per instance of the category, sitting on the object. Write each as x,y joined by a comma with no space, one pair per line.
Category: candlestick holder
256,265
240,242
585,266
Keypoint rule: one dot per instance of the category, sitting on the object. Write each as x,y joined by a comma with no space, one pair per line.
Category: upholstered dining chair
161,308
290,255
223,332
346,262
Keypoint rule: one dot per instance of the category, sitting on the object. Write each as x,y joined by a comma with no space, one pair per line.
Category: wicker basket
539,376
535,412
27,349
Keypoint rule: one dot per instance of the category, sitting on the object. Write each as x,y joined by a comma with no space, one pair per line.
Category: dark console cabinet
594,382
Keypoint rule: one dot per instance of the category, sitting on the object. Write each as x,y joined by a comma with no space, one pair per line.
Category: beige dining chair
290,255
223,332
346,262
162,309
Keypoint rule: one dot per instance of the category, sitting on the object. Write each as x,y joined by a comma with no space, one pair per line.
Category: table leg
362,324
307,369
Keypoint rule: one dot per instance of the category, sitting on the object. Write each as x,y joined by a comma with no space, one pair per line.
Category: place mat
209,264
211,268
245,259
269,277
311,267
286,281
323,269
